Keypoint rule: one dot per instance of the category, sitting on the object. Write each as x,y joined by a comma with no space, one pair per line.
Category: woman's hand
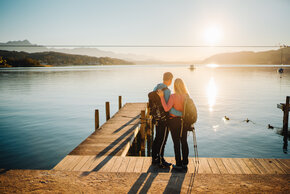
160,93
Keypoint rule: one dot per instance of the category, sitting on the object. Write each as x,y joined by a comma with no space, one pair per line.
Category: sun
212,35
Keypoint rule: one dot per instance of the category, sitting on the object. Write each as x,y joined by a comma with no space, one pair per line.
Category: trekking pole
196,160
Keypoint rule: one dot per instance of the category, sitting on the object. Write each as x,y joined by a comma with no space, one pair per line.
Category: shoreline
181,65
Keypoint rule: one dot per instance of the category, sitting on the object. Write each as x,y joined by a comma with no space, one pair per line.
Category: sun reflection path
213,65
211,93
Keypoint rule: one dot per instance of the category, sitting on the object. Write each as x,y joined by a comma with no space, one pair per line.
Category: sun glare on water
212,65
211,93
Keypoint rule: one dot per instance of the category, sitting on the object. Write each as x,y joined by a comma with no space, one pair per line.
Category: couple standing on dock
167,111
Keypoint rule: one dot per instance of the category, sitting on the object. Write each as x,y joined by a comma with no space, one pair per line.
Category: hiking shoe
155,161
177,167
184,166
165,164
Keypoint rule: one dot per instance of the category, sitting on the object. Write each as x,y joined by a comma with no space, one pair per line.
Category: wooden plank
245,169
88,163
259,166
73,163
201,169
285,162
266,166
146,164
282,166
139,164
81,163
117,164
274,168
280,106
213,166
60,165
190,166
95,163
221,166
251,166
67,162
109,162
124,164
228,165
205,166
236,166
195,162
131,164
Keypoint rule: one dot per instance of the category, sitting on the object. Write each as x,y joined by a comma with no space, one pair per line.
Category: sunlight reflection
211,93
215,127
212,65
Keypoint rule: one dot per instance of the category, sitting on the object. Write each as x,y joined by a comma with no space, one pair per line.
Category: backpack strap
183,112
184,103
163,89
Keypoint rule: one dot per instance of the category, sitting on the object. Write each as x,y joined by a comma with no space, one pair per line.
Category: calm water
46,112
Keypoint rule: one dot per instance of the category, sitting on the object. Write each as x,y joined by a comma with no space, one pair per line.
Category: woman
176,101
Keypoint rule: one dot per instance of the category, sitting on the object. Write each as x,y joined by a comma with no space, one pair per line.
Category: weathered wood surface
113,138
206,165
282,106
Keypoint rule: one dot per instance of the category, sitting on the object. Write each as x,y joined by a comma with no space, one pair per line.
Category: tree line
24,59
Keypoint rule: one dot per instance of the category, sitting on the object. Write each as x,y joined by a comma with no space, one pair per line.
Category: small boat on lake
281,70
191,67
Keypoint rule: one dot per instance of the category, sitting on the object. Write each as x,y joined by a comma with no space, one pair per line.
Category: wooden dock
113,138
206,166
105,150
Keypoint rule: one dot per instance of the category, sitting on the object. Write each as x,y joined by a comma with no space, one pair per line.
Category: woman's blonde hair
179,87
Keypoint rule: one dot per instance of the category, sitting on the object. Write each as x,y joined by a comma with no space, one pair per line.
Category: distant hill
246,57
265,57
26,46
24,59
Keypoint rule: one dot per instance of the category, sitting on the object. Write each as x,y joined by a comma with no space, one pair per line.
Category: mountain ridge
242,57
51,58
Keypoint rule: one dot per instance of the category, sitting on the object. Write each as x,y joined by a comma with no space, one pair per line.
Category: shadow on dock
115,151
126,124
174,184
145,180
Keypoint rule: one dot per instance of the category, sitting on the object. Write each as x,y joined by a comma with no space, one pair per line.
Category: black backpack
156,108
189,115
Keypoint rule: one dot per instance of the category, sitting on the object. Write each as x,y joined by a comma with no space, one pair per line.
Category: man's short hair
167,76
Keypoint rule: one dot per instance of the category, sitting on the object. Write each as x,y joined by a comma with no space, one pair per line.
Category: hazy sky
148,22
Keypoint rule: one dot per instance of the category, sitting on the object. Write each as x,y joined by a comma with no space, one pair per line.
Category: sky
149,22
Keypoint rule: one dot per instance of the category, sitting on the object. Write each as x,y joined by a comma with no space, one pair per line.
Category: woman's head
179,87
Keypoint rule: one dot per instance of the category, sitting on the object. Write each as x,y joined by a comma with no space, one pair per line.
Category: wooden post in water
107,111
285,108
120,102
96,119
148,131
285,121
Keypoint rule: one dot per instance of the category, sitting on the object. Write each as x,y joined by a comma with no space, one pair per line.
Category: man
162,129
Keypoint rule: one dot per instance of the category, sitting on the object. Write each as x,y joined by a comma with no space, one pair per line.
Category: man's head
167,78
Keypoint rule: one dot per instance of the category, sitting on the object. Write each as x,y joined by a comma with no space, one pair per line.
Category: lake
46,112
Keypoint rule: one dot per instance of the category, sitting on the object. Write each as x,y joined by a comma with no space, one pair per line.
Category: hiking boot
179,168
155,161
184,166
165,164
